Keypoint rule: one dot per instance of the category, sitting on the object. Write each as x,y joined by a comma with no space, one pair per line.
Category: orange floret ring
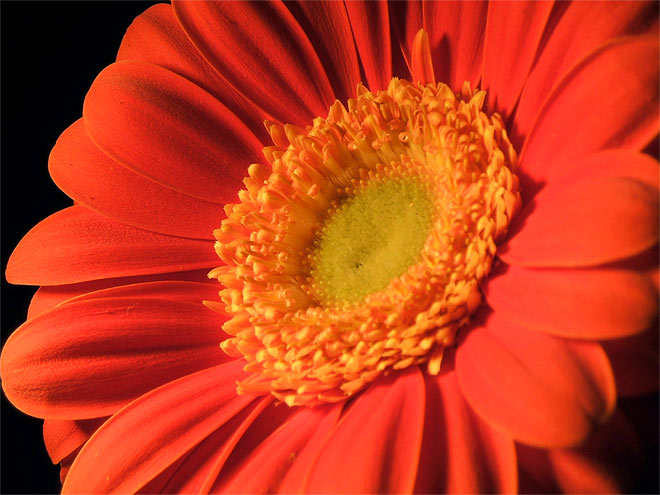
362,246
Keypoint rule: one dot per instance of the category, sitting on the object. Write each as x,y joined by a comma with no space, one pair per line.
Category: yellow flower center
372,238
361,248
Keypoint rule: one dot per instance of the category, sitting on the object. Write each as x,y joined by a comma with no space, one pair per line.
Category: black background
50,54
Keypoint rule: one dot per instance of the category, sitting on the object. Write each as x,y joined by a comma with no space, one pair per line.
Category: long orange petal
170,130
46,298
370,21
586,113
603,208
261,50
327,26
78,245
263,469
156,36
144,438
543,390
105,353
461,453
383,456
589,303
93,179
572,39
421,64
197,470
457,31
513,33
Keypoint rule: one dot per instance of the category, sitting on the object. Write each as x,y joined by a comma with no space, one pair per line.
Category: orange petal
572,39
635,362
46,298
105,353
65,465
170,130
327,26
370,21
461,453
407,20
457,32
77,245
610,461
543,390
591,303
156,37
63,436
196,470
262,51
513,34
609,100
271,420
375,447
605,211
421,63
295,479
263,469
93,179
140,441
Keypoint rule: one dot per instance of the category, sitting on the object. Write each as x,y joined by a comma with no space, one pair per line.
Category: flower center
361,248
371,239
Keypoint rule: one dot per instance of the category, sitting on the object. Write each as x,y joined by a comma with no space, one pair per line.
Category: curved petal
78,245
572,39
461,453
513,33
543,390
156,37
263,469
605,211
93,179
635,363
170,130
296,477
198,469
456,31
608,462
583,115
62,436
46,298
65,465
181,291
262,51
382,458
407,19
370,21
105,353
421,64
263,427
598,303
140,441
327,26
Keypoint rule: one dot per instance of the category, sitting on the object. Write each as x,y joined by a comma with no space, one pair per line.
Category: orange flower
440,283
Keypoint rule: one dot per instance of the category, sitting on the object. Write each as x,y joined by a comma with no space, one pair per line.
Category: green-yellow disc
372,238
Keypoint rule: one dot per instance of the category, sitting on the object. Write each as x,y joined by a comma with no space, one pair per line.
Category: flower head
433,269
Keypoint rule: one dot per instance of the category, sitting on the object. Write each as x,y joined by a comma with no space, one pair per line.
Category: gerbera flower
433,269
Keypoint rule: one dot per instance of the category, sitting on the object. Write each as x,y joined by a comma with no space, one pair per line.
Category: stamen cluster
306,348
